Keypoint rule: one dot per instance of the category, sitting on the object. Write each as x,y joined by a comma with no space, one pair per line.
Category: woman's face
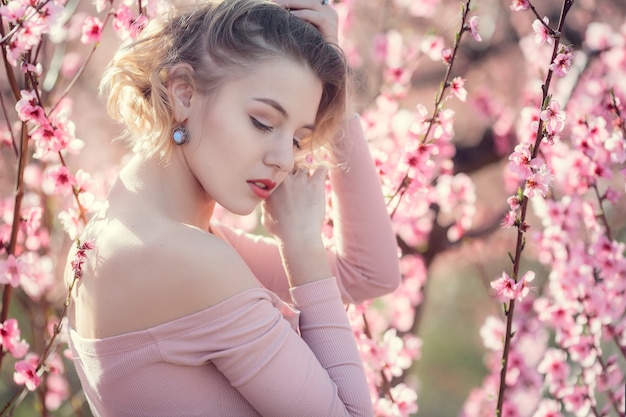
243,140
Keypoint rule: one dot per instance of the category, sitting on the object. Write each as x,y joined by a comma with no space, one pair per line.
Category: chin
241,210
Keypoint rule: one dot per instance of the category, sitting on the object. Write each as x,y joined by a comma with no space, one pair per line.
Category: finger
322,16
300,170
326,25
301,4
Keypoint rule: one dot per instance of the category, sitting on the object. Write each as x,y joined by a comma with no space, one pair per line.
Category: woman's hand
322,16
295,211
294,215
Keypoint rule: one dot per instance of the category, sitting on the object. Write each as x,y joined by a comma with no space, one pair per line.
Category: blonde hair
219,40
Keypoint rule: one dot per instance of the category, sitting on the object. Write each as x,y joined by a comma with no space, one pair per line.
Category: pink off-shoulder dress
270,351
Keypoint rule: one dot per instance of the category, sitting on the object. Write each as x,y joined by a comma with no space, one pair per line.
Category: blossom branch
615,107
8,69
445,85
439,98
602,214
19,194
521,223
386,384
614,404
6,117
15,28
77,266
82,68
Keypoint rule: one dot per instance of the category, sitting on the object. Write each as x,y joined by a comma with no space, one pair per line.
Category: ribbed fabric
241,357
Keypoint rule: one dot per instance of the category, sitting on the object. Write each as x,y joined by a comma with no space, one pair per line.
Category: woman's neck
168,189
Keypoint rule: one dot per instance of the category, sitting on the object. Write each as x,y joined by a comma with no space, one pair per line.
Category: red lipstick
262,187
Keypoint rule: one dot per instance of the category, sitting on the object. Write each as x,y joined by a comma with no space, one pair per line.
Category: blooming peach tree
559,345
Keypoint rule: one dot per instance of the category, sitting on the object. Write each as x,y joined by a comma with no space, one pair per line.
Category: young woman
177,315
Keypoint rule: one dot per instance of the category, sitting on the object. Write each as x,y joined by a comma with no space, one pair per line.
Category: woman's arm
364,256
242,330
282,374
365,248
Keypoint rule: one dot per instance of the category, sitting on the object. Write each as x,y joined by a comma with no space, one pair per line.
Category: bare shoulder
144,280
203,263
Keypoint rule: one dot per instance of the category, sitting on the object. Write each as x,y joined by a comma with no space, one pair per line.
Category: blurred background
457,297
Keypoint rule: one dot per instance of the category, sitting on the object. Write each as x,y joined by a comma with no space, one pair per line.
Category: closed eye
261,126
265,128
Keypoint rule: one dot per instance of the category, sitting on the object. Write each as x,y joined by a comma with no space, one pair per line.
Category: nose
280,154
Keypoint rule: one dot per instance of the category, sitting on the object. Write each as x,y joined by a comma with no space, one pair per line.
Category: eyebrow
276,105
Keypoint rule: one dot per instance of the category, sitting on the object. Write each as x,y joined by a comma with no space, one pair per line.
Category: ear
181,89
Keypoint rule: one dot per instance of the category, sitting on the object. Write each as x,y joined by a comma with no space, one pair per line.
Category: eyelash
267,129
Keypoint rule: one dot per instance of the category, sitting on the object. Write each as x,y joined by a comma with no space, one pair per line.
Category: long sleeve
364,255
241,357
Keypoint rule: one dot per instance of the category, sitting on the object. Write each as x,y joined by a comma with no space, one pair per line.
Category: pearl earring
180,135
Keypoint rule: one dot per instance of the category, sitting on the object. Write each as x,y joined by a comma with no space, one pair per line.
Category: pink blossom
59,179
123,18
26,374
457,89
28,108
519,5
395,359
126,24
522,288
72,224
505,286
380,47
48,138
446,55
542,32
562,62
553,117
30,68
492,333
12,271
548,408
14,11
576,400
509,409
551,137
432,45
404,402
522,163
137,26
472,25
615,145
101,5
10,339
57,391
514,202
32,219
612,376
554,366
444,131
80,257
539,182
509,220
92,30
600,36
40,279
583,350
